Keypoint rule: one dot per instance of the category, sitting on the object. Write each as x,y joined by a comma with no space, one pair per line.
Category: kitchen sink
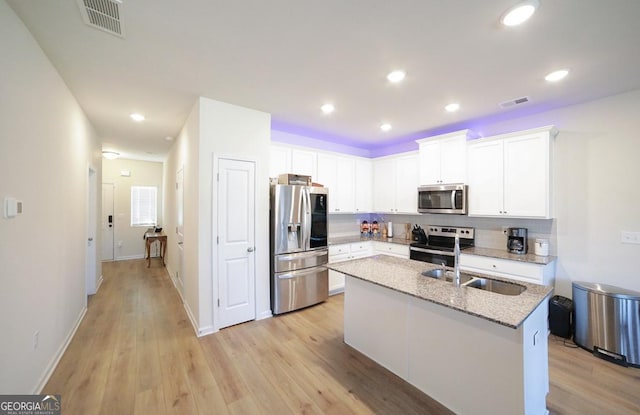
498,287
486,284
445,275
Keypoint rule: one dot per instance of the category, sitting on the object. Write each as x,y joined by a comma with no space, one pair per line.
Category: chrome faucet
456,258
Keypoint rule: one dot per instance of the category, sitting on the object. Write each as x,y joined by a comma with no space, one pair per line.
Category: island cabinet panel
474,366
469,364
376,324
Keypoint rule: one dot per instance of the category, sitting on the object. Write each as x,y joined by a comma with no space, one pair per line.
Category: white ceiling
287,58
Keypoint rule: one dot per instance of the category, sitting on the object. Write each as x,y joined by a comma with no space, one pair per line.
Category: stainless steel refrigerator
299,250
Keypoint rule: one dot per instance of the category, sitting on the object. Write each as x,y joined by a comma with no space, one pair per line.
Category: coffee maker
517,240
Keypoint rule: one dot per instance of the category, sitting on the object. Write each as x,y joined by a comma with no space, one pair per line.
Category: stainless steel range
440,242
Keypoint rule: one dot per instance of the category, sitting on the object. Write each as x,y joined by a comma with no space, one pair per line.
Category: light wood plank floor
136,353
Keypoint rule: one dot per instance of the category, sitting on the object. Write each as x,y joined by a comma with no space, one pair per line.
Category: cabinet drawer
339,249
391,249
504,268
360,247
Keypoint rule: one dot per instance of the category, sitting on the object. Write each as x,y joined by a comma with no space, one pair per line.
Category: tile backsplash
489,232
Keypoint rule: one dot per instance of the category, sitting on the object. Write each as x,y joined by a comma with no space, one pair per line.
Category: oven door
450,199
432,256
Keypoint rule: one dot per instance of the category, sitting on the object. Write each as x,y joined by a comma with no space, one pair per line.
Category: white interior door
236,229
92,213
107,221
180,226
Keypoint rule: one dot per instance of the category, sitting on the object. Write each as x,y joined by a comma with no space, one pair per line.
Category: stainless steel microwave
447,198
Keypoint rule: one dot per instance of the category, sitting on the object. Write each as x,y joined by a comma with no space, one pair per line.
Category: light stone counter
404,276
504,254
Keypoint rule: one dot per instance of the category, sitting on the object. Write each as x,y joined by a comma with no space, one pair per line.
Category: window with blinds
144,205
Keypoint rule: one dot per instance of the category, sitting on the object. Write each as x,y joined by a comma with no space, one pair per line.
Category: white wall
128,239
216,129
46,148
184,155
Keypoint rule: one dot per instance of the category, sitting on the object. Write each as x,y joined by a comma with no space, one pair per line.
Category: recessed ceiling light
396,76
168,138
453,107
557,75
327,108
110,155
385,127
519,13
137,117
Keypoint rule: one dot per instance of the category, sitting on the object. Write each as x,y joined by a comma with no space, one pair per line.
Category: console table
151,237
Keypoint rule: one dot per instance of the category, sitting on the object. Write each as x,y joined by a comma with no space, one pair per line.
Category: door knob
250,249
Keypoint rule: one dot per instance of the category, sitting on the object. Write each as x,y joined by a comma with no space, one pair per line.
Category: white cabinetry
345,252
339,175
280,160
388,248
294,160
396,184
443,158
510,175
363,185
517,270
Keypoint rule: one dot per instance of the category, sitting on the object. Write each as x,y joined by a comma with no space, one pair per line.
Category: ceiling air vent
513,102
103,14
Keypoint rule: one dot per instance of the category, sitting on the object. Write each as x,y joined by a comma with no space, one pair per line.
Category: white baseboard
200,331
127,257
336,291
264,314
99,284
56,358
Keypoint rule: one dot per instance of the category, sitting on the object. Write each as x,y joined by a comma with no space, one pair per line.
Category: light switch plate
627,237
12,207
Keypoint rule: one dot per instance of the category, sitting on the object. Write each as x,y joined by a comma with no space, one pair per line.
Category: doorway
107,222
236,241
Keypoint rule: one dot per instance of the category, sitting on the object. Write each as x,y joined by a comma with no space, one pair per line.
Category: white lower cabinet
345,252
515,270
392,249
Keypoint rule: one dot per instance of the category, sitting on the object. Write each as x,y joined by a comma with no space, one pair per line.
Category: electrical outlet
627,237
36,339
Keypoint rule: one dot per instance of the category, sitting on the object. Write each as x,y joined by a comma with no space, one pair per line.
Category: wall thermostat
12,207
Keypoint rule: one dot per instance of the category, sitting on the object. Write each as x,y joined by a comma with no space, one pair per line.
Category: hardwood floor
136,353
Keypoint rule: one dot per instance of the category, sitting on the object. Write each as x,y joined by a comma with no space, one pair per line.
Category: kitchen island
474,351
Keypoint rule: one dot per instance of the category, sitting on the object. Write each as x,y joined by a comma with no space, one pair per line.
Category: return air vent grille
514,102
105,15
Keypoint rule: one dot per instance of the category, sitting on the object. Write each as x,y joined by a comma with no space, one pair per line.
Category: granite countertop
357,238
404,275
504,254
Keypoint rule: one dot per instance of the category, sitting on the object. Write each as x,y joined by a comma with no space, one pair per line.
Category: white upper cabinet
510,175
363,185
304,162
443,158
280,161
396,184
338,173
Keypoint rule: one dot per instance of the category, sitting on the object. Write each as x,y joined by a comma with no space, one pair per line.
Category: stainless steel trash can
607,321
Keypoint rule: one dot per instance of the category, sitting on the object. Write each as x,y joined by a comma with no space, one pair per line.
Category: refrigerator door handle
301,273
306,233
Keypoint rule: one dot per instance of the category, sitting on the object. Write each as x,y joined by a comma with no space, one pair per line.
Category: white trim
56,358
99,284
127,257
264,314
